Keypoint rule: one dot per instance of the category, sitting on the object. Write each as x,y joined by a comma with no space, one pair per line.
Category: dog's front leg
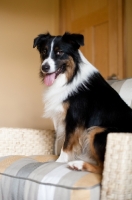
70,148
65,156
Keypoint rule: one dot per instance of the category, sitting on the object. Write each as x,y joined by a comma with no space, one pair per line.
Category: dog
82,105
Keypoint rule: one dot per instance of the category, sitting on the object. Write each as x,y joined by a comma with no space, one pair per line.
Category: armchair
28,170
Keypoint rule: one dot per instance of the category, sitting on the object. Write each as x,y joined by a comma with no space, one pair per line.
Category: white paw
76,165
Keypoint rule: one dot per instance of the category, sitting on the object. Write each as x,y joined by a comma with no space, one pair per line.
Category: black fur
98,105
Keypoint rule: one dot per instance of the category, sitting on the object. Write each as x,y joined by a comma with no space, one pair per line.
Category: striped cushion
39,178
124,88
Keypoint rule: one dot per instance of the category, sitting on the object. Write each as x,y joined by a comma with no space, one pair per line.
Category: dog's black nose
45,67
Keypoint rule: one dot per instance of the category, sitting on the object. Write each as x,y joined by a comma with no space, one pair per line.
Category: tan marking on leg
59,125
65,106
73,141
90,167
62,115
93,168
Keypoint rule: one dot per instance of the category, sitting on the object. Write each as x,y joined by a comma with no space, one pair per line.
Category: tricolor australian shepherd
83,106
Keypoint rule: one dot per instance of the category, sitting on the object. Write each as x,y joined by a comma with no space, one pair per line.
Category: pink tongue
49,79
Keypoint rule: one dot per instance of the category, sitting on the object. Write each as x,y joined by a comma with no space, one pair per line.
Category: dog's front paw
76,165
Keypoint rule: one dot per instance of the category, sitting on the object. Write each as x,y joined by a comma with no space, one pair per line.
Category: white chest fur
53,99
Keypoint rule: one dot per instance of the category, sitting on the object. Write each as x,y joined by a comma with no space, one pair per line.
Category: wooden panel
116,39
128,37
120,57
83,48
89,39
65,16
113,37
101,23
92,19
86,7
101,48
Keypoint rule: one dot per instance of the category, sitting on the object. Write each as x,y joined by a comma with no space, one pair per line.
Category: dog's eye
59,53
44,51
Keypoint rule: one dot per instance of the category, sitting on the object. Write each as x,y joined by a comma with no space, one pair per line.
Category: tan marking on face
70,65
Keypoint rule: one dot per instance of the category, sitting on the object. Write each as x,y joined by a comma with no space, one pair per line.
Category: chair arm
117,174
19,141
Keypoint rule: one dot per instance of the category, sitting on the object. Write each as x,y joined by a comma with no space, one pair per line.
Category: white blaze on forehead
49,60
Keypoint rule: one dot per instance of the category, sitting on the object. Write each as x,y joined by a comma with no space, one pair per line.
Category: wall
128,37
20,87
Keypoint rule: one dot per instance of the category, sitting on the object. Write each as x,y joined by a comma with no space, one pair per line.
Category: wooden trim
115,34
65,16
94,18
120,66
112,14
112,37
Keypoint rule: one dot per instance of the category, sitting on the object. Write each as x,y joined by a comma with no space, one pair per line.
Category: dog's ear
39,39
76,40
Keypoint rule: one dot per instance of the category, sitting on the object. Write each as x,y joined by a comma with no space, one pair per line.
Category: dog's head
59,55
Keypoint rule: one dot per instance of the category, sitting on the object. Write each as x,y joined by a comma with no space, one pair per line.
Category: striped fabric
39,178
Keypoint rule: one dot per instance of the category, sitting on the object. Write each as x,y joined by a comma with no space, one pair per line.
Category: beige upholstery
16,141
117,174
